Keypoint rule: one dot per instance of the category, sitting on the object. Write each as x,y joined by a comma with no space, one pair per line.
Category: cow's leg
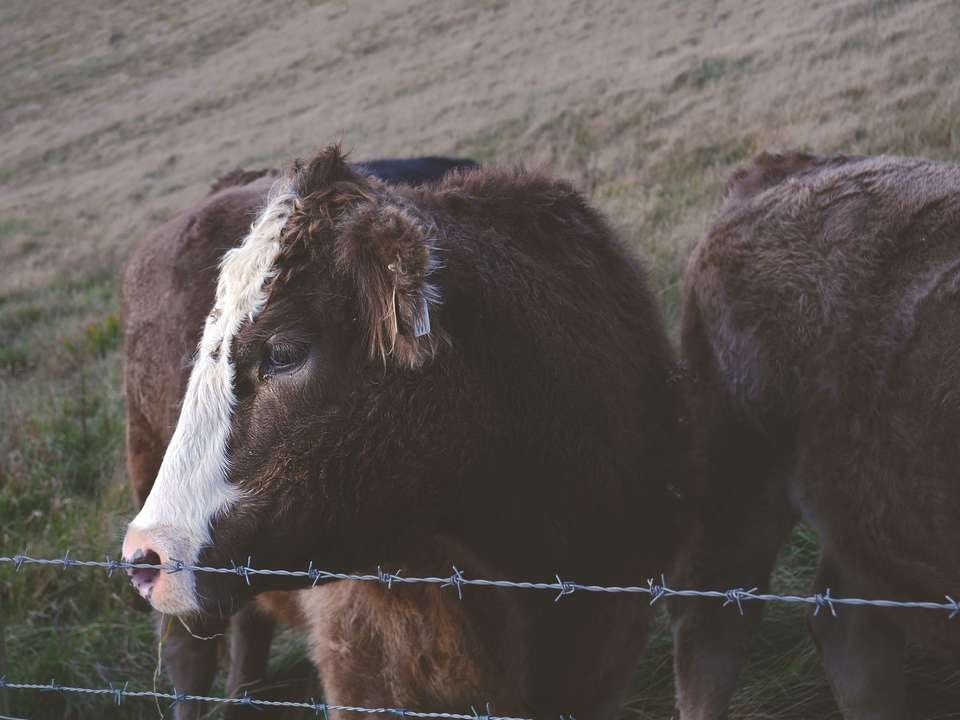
740,461
861,651
190,662
742,522
251,632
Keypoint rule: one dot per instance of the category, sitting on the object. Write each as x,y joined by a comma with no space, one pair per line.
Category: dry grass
111,118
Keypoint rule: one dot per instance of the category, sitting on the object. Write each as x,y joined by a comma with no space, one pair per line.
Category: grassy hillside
112,118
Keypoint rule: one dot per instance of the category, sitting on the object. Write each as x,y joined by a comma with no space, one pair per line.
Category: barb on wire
566,588
111,565
456,580
244,571
120,693
478,716
824,601
954,607
736,596
655,590
320,708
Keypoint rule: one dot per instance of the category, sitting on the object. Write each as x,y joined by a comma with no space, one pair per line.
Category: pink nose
137,550
143,579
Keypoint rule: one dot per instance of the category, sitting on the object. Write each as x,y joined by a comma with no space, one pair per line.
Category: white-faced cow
469,374
168,289
821,329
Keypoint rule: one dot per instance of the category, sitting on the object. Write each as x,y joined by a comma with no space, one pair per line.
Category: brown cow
168,289
472,373
821,331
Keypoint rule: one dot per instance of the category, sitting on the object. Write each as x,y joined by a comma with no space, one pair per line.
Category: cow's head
303,419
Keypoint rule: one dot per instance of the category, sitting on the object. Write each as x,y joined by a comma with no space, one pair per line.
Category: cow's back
815,276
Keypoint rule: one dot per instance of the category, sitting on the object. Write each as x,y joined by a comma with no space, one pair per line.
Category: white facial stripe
193,487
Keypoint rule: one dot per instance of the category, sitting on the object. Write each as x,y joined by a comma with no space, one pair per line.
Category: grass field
113,117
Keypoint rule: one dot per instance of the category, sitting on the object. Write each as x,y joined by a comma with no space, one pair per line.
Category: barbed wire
119,693
821,602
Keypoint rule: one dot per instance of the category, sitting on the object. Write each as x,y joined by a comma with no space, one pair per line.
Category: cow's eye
280,357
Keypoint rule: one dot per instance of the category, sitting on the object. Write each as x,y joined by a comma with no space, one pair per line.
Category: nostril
143,578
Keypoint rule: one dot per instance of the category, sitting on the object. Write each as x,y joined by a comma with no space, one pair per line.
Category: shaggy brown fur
820,328
485,382
422,644
385,248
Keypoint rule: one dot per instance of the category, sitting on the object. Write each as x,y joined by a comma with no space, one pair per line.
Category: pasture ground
113,117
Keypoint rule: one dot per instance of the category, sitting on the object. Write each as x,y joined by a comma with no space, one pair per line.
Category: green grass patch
711,70
14,359
488,147
14,226
60,489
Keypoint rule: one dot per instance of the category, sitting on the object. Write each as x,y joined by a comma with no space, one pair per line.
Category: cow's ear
327,186
390,254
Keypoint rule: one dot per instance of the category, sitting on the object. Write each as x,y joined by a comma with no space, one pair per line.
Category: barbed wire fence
821,602
824,601
118,694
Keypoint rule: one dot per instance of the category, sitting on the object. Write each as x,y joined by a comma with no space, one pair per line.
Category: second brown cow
822,334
